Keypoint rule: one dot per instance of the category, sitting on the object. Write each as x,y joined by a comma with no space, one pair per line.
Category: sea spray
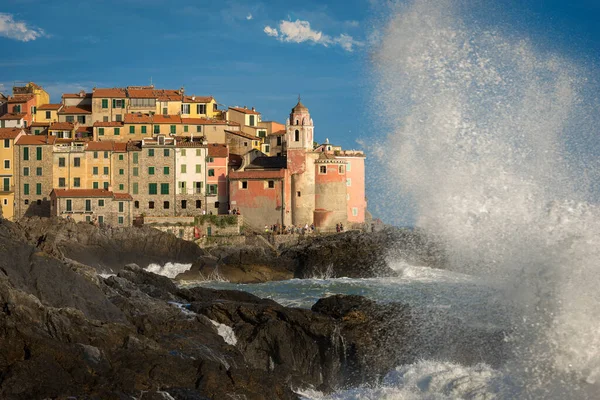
480,146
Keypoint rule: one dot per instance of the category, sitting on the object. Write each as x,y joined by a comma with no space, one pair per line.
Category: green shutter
172,128
135,158
38,189
104,103
38,153
132,129
135,188
164,188
25,153
95,185
166,170
198,168
152,188
26,188
150,170
100,131
95,171
117,131
114,103
122,103
105,170
143,129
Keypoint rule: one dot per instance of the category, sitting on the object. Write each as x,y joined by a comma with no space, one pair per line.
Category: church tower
299,128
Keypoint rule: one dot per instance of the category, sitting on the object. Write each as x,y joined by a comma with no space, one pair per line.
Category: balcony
69,149
7,189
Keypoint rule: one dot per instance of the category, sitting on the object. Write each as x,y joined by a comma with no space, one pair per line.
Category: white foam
225,332
170,270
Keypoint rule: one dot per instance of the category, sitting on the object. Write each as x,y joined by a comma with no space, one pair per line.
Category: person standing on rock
337,228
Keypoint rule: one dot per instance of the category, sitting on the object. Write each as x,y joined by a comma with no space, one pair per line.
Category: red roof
61,126
49,107
257,174
100,146
197,99
217,150
36,140
203,121
40,124
243,134
109,92
12,117
138,119
108,124
120,147
20,98
75,110
122,196
9,133
84,129
90,193
166,119
79,95
244,110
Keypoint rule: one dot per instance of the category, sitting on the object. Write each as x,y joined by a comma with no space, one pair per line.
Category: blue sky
259,53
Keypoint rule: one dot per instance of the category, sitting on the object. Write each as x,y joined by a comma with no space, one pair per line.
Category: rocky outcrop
107,249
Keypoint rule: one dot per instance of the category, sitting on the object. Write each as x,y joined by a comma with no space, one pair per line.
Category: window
298,194
211,172
105,185
354,211
251,120
104,119
152,188
297,136
117,131
150,170
198,187
118,103
26,188
172,129
348,167
341,169
105,170
95,154
27,200
185,108
38,171
26,171
69,205
81,119
198,203
62,182
143,128
6,164
70,118
100,219
244,184
348,182
166,152
77,162
38,153
278,140
150,152
212,189
262,134
184,204
136,171
271,184
136,204
6,143
267,148
121,207
104,103
61,162
132,129
37,131
121,219
164,188
121,171
166,205
121,157
6,184
210,159
25,153
143,103
323,169
76,182
88,205
201,108
156,128
135,188
17,108
100,131
182,187
185,128
151,205
95,171
198,168
198,128
95,185
38,189
182,152
166,170
135,158
48,114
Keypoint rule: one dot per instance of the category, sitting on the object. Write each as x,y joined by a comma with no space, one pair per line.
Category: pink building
217,193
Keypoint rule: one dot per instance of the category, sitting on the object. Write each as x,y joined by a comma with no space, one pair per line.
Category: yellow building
69,165
41,96
199,107
166,125
109,131
47,113
63,130
109,105
244,116
7,170
137,126
98,157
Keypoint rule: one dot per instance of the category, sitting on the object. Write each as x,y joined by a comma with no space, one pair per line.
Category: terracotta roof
20,98
122,196
299,107
75,110
85,129
166,119
61,126
141,93
36,140
9,133
169,95
159,94
278,133
243,134
100,146
91,193
108,124
76,95
257,174
40,124
197,99
217,150
203,121
12,117
109,92
244,110
138,119
120,147
190,144
49,107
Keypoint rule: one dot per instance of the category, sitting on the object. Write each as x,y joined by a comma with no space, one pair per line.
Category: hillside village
119,156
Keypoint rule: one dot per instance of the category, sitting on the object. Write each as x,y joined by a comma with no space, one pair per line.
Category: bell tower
299,128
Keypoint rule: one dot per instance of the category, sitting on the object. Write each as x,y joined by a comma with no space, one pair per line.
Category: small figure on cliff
341,227
337,228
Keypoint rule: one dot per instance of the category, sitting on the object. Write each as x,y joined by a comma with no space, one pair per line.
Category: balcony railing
69,149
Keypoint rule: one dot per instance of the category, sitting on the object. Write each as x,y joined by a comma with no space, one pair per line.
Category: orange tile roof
108,124
257,174
159,94
122,196
61,126
20,98
40,125
138,119
141,93
243,134
189,144
75,110
35,140
203,121
278,133
168,95
109,92
244,110
76,95
49,107
91,193
166,119
107,145
197,99
217,150
85,129
9,133
120,147
12,117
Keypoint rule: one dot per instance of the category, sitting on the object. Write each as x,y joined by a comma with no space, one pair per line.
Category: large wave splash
482,126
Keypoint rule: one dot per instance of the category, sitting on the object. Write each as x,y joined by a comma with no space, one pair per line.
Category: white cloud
300,31
271,31
18,30
249,16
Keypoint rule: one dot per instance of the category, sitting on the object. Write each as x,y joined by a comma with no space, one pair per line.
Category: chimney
245,108
253,109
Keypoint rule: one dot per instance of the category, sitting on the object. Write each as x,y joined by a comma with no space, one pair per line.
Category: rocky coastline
67,332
